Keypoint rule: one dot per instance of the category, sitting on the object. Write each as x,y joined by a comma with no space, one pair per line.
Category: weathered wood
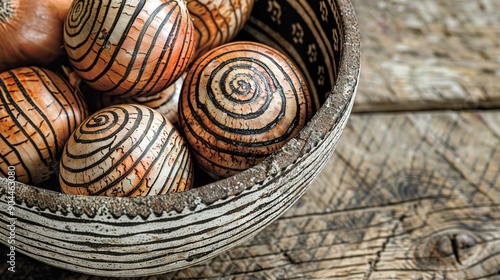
406,196
429,54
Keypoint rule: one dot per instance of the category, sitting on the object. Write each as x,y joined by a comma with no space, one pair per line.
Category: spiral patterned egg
217,22
129,48
38,112
125,150
241,102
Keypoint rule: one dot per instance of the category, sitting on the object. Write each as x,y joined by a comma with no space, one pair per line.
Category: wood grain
407,190
423,55
406,196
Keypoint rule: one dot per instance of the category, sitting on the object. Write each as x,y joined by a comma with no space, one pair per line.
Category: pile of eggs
155,91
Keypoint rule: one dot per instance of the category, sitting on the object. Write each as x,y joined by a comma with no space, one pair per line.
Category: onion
31,32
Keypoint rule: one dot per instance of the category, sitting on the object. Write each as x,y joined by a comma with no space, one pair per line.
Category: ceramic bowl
156,234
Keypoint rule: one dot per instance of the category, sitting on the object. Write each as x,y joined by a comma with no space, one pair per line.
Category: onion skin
38,112
31,32
241,102
217,22
131,47
125,150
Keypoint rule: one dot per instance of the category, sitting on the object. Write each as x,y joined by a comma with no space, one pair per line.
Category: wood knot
450,250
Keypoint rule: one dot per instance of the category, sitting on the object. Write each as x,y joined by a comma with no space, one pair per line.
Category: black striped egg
240,102
129,48
38,112
166,101
217,22
125,150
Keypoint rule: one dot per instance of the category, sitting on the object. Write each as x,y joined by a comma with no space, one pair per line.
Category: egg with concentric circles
125,150
240,102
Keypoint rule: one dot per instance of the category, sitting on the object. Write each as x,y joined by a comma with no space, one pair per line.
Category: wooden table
413,189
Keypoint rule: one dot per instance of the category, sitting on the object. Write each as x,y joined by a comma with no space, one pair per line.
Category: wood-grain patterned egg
166,101
125,150
38,112
241,102
129,48
217,22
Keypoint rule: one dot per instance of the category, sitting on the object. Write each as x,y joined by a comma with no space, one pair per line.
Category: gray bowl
152,235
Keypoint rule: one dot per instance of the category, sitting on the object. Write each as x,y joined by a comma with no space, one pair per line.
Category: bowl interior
308,32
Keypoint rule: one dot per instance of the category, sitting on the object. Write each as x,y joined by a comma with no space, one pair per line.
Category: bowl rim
338,101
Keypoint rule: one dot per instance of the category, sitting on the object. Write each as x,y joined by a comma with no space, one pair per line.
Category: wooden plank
429,54
405,196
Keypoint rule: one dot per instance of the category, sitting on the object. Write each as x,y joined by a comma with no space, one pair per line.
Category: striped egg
217,22
240,102
130,47
38,112
125,150
166,101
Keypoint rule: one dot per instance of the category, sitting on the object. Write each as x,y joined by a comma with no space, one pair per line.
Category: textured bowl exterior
156,234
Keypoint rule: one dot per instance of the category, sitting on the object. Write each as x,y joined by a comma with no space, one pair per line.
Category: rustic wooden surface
429,54
413,189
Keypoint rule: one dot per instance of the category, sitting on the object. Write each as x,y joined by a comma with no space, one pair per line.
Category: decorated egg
38,112
129,48
217,22
166,101
125,150
240,102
